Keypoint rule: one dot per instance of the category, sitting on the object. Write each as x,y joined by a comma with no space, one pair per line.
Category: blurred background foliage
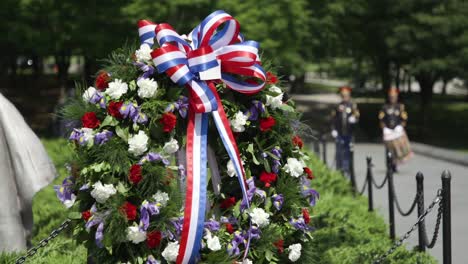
47,45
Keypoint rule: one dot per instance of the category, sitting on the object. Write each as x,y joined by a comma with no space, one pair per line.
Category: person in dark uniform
343,119
393,118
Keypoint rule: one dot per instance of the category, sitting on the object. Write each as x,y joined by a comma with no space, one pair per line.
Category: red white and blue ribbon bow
214,52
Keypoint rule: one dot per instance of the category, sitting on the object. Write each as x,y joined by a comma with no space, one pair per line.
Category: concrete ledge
448,155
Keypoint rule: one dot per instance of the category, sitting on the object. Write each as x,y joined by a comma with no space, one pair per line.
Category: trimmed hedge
346,233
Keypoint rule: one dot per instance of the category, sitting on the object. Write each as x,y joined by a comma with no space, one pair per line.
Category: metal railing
442,200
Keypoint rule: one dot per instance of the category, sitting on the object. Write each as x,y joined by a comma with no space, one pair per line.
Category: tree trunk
62,59
444,86
385,77
426,83
397,77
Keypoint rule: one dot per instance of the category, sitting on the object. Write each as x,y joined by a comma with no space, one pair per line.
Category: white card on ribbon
211,74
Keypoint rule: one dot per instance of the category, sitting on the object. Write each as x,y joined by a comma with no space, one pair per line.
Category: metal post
446,218
391,204
351,168
317,147
324,151
369,184
420,203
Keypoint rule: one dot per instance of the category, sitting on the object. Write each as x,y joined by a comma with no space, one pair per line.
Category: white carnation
294,167
102,192
144,53
161,198
246,261
274,101
171,251
259,217
212,241
171,146
135,235
138,144
238,122
231,171
147,87
88,94
116,89
275,89
294,252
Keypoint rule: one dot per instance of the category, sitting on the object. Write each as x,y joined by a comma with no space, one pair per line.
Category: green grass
346,232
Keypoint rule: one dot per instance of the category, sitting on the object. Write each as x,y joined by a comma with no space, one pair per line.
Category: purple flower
103,137
308,192
278,201
129,110
97,97
181,105
147,209
65,192
254,233
146,69
97,219
251,192
300,224
212,225
140,118
255,110
152,156
178,223
151,260
82,136
276,151
233,247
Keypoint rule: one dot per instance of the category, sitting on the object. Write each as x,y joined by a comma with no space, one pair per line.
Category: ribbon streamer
215,44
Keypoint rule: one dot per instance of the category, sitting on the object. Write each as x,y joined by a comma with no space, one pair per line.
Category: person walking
393,119
343,119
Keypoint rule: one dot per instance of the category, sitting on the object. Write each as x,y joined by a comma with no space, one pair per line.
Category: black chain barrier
442,199
44,242
437,200
380,186
413,205
436,229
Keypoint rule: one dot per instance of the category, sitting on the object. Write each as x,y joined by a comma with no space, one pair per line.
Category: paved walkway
405,184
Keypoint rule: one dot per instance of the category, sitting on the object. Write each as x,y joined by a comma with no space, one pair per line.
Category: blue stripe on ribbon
203,175
233,156
204,66
249,43
171,38
209,94
146,36
162,67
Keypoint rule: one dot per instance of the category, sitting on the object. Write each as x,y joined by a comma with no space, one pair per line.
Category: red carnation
267,178
169,121
102,81
129,210
86,215
90,120
267,123
305,215
310,174
229,228
271,78
114,109
153,239
227,203
297,141
279,245
135,174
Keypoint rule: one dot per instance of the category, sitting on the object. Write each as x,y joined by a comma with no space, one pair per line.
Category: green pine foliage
345,231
